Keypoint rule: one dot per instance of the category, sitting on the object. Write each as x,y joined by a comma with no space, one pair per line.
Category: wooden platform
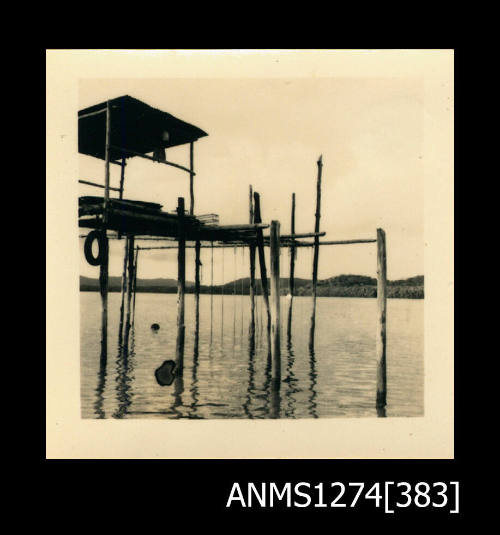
147,219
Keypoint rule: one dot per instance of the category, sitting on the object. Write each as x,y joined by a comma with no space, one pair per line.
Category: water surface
228,376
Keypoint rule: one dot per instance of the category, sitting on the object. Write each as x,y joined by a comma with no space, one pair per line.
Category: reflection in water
290,378
178,390
236,382
124,368
194,378
101,383
312,387
275,403
251,374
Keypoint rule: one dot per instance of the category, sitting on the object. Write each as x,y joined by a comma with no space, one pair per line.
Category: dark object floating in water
155,327
165,373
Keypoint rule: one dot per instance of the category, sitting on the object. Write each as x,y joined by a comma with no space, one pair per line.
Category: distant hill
339,286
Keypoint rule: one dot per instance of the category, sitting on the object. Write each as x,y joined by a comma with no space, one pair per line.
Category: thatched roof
134,126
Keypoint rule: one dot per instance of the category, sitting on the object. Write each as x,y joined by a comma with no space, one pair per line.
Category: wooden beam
90,114
382,319
181,288
295,236
337,242
275,306
129,151
97,185
316,251
262,258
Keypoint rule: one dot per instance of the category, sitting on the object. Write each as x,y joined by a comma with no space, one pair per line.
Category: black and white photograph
253,237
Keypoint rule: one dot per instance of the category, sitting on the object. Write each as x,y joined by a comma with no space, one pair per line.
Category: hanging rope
211,289
222,289
234,294
241,299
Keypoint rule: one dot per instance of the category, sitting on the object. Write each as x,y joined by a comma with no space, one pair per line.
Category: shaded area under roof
134,126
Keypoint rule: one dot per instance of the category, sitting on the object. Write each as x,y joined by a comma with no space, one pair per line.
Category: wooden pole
291,282
262,258
181,288
197,283
122,177
124,287
382,319
275,308
135,282
122,180
316,250
252,271
191,177
130,286
103,268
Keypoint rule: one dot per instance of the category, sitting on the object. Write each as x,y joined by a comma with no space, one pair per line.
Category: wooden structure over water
124,128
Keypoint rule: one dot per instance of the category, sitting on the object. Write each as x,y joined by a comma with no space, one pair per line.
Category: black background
179,494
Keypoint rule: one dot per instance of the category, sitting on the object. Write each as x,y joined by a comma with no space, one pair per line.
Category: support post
181,287
130,286
262,258
122,179
197,283
291,282
124,289
275,309
316,250
191,177
382,319
122,176
252,272
103,269
135,282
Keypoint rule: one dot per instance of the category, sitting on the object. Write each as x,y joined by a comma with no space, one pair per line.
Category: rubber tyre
87,248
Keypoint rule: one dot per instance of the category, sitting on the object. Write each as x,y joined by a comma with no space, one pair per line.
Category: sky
269,133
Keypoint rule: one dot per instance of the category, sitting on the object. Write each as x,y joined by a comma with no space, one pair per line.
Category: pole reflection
313,377
290,379
101,383
251,373
124,378
194,377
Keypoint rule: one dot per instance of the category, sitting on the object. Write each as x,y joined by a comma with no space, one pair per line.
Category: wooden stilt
135,283
252,272
124,289
275,301
382,319
291,282
191,177
197,283
130,286
181,288
316,252
103,268
122,179
262,259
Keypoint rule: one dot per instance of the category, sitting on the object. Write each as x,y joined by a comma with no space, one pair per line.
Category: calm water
225,378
